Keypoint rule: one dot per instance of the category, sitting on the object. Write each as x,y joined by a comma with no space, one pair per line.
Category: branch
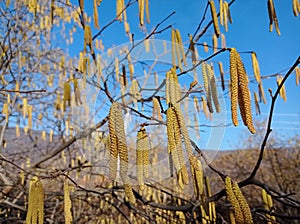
70,142
269,129
26,92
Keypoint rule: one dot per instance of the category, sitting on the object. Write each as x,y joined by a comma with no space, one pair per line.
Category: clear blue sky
249,32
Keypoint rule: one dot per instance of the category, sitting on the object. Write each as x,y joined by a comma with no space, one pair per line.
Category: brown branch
70,142
250,180
283,216
22,91
269,128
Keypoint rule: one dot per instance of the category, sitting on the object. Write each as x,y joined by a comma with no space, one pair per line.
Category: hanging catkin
257,108
113,146
156,112
243,203
67,95
87,38
221,12
173,94
142,156
214,17
141,11
207,87
296,7
239,217
261,93
95,15
273,17
118,146
213,87
268,203
35,210
67,204
255,66
222,75
147,11
297,75
240,91
234,86
244,95
282,92
180,46
175,145
215,43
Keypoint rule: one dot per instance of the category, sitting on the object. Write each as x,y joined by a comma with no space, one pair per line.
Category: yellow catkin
221,12
257,108
214,17
213,88
141,11
207,87
173,50
231,216
282,92
185,136
67,204
126,27
156,109
113,146
5,111
261,93
29,116
225,10
268,204
223,41
204,107
177,52
81,4
205,217
175,145
87,38
17,88
198,178
273,17
196,126
35,211
244,94
205,47
122,145
215,43
25,107
243,203
297,75
17,131
172,87
95,15
296,7
180,46
171,122
196,104
129,193
234,86
255,66
67,95
147,11
226,5
117,71
239,217
222,75
119,10
142,158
